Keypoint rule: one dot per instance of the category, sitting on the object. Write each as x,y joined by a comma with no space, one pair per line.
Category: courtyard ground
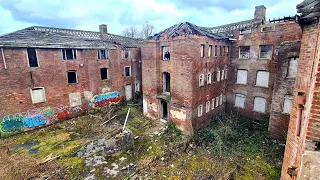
230,148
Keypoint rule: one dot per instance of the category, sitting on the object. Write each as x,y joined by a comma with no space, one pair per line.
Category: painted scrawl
103,100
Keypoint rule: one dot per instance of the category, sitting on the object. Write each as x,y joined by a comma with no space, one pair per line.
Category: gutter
4,60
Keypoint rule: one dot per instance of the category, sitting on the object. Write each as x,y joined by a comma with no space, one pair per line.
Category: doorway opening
164,110
166,82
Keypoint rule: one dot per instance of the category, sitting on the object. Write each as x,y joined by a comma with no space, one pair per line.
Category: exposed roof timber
309,9
311,15
305,3
232,27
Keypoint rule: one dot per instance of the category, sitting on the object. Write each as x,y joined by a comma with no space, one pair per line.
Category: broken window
212,103
165,53
218,76
287,104
102,54
32,57
126,53
215,50
166,82
208,107
262,78
240,100
265,52
38,95
210,51
217,101
244,52
69,54
201,80
200,110
104,73
222,75
224,51
209,78
220,51
72,77
202,50
242,76
127,71
292,68
259,104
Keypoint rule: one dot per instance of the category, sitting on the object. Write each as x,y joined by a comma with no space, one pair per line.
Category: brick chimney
260,14
103,29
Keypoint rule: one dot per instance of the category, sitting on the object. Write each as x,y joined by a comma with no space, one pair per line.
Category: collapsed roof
48,37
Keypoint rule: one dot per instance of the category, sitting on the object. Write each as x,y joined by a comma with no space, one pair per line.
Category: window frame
212,103
200,110
260,46
209,78
240,96
44,94
163,53
130,73
288,69
75,71
241,57
208,107
107,70
106,52
257,79
237,82
74,54
210,51
36,53
217,101
202,50
201,77
254,102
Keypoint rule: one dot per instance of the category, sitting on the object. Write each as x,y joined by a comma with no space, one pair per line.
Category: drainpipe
4,60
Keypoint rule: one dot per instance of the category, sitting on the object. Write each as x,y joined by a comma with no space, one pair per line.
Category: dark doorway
164,110
166,82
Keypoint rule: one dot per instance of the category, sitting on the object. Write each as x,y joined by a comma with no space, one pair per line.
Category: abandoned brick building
42,66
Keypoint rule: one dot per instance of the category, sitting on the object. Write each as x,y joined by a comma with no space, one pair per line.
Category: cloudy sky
119,14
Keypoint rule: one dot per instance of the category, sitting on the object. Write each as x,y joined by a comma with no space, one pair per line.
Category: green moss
74,166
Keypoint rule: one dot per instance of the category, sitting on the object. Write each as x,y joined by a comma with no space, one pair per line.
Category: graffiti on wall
105,99
32,119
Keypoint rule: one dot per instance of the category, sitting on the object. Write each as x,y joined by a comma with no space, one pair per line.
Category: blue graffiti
35,121
14,125
103,97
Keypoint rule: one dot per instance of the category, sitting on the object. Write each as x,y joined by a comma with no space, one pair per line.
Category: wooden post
125,122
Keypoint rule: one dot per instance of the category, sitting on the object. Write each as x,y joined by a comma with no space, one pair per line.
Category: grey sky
119,14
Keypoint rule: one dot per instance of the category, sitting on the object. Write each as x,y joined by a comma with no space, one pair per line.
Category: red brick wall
16,81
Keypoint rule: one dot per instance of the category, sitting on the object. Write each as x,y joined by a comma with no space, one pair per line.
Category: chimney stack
103,29
260,14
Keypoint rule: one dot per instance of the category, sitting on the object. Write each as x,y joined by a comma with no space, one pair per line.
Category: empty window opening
259,104
221,99
164,110
201,80
287,104
137,87
212,103
127,71
210,51
244,52
262,78
214,77
215,50
292,67
104,73
265,52
218,76
102,54
38,95
240,100
227,51
220,51
207,106
72,77
166,82
299,119
165,53
292,171
32,57
202,50
317,146
268,29
224,51
209,78
200,110
126,53
222,75
69,54
217,101
226,74
242,76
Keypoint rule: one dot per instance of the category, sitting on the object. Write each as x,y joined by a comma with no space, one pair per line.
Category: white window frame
201,80
239,96
44,95
217,101
238,79
257,110
200,110
202,47
74,51
262,85
137,86
129,71
240,57
208,107
76,77
210,51
222,75
218,76
164,51
209,77
123,53
100,54
212,103
287,97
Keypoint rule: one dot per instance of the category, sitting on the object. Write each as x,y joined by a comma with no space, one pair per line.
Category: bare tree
131,32
147,29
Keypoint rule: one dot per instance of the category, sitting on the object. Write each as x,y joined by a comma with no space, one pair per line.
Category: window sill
259,112
262,86
165,59
34,67
73,84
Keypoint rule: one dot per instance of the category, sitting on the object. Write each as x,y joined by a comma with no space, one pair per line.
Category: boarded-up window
210,51
127,71
217,101
218,76
165,53
240,100
38,95
259,104
221,99
242,76
292,68
287,104
262,78
202,50
201,80
212,103
208,107
102,54
69,54
72,77
265,52
244,52
209,78
32,57
200,110
104,73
